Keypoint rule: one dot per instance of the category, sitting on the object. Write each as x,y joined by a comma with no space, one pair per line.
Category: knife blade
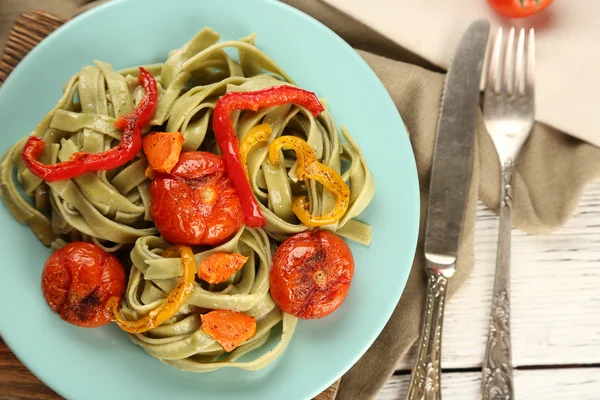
449,189
453,155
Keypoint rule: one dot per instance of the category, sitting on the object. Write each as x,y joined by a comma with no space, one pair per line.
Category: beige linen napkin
551,172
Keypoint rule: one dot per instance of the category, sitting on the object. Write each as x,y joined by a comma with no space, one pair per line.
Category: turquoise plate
102,363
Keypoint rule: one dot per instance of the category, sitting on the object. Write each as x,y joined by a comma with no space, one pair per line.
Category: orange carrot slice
162,149
218,267
228,328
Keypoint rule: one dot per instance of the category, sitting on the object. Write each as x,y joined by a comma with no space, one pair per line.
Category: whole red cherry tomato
78,280
518,8
311,274
196,204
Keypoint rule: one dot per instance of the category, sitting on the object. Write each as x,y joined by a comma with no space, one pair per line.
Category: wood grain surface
555,306
16,382
30,29
555,312
553,384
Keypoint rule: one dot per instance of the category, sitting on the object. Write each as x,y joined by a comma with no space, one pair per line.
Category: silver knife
449,188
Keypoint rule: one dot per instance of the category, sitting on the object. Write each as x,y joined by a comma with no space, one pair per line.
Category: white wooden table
555,313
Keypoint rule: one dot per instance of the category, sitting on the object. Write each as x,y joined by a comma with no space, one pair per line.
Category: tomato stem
537,4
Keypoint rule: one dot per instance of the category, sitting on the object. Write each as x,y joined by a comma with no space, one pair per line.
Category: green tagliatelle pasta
112,208
180,341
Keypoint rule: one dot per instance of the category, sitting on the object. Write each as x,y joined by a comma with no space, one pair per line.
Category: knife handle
425,382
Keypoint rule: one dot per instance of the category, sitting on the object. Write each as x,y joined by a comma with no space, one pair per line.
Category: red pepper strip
228,141
83,162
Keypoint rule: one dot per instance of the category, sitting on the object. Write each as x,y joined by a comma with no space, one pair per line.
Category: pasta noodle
112,208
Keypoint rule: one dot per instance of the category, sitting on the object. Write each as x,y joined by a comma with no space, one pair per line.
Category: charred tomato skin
311,274
196,204
78,280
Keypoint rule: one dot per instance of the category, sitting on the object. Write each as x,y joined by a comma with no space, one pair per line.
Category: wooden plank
29,29
330,392
555,294
16,382
545,384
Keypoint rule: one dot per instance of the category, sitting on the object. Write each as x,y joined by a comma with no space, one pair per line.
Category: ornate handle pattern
425,383
497,380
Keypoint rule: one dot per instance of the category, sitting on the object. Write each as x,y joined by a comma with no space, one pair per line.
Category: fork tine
494,76
529,83
520,64
485,66
509,63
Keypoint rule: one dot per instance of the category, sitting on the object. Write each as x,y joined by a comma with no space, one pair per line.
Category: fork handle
425,382
497,367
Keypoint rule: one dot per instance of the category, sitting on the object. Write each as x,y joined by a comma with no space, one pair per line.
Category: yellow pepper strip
171,304
259,133
310,168
149,173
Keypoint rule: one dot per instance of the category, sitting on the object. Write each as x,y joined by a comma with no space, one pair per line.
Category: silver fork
508,112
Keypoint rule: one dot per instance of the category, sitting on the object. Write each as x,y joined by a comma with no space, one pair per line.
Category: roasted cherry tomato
311,274
78,280
196,204
519,8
